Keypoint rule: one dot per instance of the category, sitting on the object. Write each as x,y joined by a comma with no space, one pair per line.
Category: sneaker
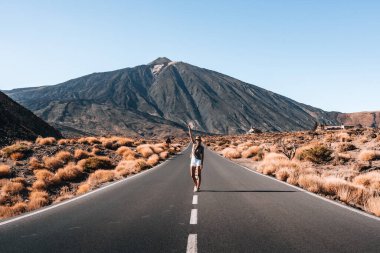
199,189
195,189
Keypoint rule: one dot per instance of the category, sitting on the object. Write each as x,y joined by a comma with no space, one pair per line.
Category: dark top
197,151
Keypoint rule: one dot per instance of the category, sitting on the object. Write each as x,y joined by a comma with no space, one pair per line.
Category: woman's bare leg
192,173
199,172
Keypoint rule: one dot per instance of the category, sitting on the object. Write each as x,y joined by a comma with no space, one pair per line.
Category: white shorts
195,162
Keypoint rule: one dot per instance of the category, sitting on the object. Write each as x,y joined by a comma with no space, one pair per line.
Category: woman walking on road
197,158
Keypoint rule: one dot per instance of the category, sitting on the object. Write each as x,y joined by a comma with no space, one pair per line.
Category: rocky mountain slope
366,119
161,98
16,122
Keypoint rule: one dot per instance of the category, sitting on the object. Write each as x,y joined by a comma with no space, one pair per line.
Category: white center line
194,217
195,200
192,244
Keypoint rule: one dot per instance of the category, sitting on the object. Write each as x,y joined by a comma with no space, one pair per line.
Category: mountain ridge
160,98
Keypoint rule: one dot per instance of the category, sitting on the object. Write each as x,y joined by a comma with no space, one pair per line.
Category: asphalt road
237,211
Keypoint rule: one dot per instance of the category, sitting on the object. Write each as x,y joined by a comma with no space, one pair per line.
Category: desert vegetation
36,174
340,165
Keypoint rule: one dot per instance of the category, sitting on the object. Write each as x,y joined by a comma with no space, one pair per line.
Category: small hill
20,123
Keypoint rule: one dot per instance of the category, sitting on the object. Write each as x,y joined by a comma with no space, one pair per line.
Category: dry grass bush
5,170
145,150
273,162
311,182
164,155
373,205
34,164
125,168
344,173
231,153
37,199
57,161
100,176
46,141
153,160
96,151
369,155
46,177
20,147
316,153
94,163
64,142
369,180
89,140
8,211
343,158
115,142
353,194
126,152
12,188
17,156
344,137
83,188
70,172
80,154
64,194
344,147
158,148
250,152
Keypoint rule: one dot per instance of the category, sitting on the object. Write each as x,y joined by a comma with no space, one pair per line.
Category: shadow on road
245,191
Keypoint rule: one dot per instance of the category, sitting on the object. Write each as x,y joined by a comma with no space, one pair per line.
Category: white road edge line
194,217
23,216
303,190
195,200
192,244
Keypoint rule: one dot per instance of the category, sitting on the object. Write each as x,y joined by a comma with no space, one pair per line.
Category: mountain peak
160,60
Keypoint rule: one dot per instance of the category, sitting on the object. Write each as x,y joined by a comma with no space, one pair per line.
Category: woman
197,158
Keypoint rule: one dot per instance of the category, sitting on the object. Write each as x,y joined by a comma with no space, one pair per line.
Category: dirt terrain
36,174
340,165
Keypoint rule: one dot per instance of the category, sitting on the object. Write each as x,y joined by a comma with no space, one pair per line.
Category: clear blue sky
325,53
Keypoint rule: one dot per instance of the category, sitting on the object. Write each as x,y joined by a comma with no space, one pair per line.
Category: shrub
8,211
344,147
37,199
17,156
89,140
231,153
310,182
80,154
158,148
12,187
95,163
125,151
164,155
22,148
83,188
5,170
125,167
56,161
145,150
373,205
34,164
250,152
344,137
69,172
316,154
46,141
100,176
369,156
45,176
369,180
153,160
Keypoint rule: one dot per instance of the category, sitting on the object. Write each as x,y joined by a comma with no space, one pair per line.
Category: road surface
236,211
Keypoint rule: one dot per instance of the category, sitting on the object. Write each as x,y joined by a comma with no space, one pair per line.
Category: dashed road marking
192,244
194,217
195,200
